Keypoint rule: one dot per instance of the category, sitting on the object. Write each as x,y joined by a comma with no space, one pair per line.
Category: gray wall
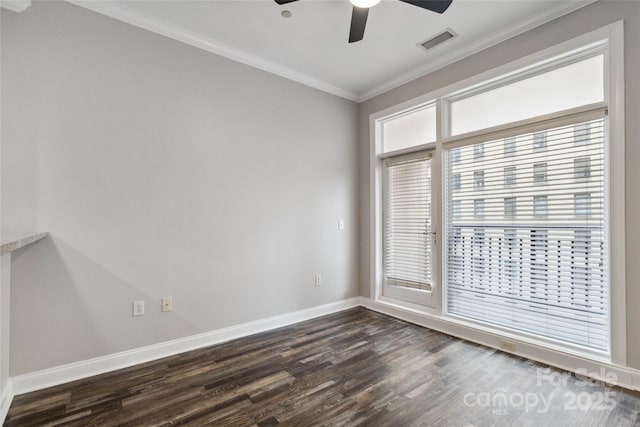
163,170
565,28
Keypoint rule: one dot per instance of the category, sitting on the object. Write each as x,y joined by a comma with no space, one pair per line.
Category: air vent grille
437,39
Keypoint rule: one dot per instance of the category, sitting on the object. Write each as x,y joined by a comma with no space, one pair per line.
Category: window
582,202
539,140
540,173
575,84
478,179
509,146
410,128
510,175
582,168
528,268
581,133
407,222
535,252
509,207
478,152
540,205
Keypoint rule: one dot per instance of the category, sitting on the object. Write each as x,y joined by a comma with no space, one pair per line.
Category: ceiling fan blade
438,6
358,22
281,2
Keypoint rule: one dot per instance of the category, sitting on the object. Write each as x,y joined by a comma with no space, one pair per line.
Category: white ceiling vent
437,39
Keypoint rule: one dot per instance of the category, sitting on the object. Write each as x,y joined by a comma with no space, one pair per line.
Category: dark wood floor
356,367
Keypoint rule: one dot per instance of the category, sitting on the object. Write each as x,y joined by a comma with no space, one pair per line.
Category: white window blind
535,260
407,221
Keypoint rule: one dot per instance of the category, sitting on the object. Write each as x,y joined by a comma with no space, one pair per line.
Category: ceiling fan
361,11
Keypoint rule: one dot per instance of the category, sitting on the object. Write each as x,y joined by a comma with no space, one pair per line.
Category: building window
540,173
478,179
582,167
456,184
509,147
455,155
539,140
478,207
540,206
457,208
581,133
509,207
510,175
582,202
478,152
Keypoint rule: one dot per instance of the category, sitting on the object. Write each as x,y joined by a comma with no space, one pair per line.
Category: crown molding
15,5
178,33
554,11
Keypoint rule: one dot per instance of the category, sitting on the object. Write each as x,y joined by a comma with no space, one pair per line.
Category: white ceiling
311,46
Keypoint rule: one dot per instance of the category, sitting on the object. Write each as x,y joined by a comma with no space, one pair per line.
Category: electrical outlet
508,346
138,308
318,279
167,304
341,224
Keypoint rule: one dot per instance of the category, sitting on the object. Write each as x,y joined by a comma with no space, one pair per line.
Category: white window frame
611,36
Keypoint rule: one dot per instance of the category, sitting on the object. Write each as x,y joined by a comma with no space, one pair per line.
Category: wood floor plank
354,368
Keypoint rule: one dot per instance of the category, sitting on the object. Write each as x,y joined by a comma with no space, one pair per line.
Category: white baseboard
624,377
619,375
6,399
99,365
